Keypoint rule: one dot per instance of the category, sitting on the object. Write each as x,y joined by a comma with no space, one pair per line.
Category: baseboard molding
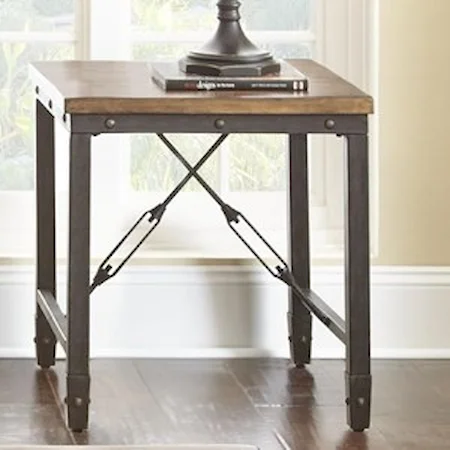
233,312
242,274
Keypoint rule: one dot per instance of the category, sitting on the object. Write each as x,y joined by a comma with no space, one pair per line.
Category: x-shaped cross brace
232,216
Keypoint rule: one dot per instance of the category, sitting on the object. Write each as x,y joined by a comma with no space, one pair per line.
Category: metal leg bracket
77,401
358,400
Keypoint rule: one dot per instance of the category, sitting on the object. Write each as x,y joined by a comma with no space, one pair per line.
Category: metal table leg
299,317
78,379
357,301
45,339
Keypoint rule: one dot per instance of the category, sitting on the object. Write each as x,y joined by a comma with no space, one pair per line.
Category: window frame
18,223
343,30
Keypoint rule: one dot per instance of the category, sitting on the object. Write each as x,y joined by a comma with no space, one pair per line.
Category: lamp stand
229,52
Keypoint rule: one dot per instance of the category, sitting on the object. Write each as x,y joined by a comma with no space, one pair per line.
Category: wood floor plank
264,402
404,389
404,435
110,379
23,382
122,411
305,406
320,428
277,382
32,424
205,404
126,424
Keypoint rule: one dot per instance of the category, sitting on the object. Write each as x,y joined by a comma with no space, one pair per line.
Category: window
134,173
249,171
29,30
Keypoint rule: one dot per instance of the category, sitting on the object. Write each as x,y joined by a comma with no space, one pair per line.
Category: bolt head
330,124
110,123
219,123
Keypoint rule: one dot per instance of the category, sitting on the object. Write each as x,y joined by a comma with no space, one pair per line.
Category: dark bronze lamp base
230,52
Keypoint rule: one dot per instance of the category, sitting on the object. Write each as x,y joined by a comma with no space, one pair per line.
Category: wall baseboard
233,311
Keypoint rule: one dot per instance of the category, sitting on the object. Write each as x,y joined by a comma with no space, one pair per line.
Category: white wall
233,311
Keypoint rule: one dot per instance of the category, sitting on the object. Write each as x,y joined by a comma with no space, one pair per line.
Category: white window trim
348,46
342,19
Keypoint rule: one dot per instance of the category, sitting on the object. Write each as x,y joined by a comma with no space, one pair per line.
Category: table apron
182,123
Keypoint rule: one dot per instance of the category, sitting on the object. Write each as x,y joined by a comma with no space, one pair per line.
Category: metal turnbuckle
154,216
233,217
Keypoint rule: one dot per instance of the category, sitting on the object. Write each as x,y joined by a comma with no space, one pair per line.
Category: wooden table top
124,87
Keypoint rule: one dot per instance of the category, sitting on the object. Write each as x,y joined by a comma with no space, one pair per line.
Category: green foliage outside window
17,111
255,162
36,15
16,95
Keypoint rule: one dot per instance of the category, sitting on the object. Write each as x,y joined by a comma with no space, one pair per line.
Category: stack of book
168,76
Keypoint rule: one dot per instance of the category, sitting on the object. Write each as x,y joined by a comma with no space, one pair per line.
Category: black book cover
169,77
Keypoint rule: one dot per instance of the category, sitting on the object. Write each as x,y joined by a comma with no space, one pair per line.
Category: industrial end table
93,97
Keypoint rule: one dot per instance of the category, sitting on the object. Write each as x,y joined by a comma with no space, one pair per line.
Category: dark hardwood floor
264,402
